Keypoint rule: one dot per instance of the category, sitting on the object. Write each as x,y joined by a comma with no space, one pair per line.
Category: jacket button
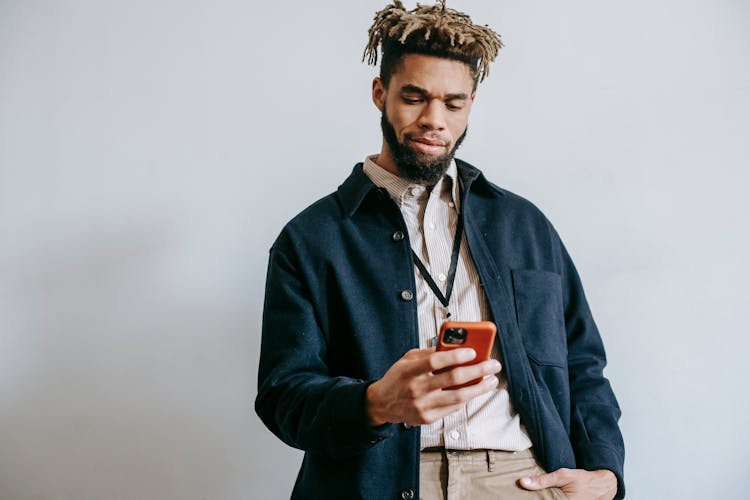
407,295
398,236
406,426
407,494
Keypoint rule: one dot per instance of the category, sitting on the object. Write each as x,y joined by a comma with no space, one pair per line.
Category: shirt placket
438,238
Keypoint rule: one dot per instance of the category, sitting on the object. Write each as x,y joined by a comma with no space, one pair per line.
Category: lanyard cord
444,299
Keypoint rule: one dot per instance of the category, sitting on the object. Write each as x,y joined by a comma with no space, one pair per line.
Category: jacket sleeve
594,433
298,399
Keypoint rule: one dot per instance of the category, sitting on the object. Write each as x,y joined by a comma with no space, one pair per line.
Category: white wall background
150,152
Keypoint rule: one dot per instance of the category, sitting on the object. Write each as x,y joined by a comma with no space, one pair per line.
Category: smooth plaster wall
150,152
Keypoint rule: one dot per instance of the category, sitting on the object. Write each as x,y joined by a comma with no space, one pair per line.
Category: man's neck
385,160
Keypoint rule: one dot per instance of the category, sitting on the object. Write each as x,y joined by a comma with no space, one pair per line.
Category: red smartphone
478,335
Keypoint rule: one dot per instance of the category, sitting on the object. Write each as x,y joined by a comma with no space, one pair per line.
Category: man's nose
432,117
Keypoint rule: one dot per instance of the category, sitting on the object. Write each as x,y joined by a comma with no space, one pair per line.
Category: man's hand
577,484
411,392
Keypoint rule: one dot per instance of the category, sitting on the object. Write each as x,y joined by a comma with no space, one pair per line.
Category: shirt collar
357,186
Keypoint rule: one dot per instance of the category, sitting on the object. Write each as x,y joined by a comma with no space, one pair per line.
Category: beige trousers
479,474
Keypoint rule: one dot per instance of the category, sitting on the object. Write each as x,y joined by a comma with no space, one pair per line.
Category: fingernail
495,364
527,481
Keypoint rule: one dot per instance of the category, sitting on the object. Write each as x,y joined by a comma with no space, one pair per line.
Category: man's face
425,112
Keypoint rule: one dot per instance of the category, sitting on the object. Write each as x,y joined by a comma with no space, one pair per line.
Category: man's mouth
427,145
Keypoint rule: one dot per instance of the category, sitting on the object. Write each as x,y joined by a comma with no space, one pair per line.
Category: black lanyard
444,299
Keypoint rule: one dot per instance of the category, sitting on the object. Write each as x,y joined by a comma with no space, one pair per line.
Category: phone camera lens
454,336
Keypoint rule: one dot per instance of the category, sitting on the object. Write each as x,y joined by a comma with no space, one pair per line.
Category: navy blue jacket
335,320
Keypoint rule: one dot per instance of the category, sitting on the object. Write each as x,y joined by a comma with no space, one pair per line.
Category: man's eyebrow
461,95
413,89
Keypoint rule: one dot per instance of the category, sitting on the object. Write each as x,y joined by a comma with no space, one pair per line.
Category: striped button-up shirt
431,216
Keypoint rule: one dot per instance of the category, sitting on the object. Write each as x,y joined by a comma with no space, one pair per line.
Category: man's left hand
577,484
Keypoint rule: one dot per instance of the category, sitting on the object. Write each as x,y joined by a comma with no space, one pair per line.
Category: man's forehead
432,74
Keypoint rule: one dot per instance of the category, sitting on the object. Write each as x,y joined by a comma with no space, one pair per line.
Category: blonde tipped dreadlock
440,28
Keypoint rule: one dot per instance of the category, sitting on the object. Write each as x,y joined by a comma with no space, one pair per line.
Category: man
359,283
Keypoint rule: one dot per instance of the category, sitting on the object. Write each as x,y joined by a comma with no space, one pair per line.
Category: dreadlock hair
431,30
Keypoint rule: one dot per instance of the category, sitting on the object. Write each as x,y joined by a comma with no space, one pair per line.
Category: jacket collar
357,186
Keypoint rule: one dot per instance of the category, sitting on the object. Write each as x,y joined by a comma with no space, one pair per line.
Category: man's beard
414,165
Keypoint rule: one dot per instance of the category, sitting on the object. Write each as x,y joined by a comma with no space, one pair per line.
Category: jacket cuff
596,457
349,415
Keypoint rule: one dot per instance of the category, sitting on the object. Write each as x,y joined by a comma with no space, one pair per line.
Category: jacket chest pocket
539,312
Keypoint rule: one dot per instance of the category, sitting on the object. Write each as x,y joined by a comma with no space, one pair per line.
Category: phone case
480,336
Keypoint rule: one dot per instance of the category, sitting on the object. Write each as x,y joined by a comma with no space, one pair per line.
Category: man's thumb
540,482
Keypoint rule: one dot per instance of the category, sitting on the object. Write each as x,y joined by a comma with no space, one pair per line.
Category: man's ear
378,93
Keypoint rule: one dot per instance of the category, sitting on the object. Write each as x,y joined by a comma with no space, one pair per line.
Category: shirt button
432,225
455,434
451,204
416,190
442,277
407,494
398,236
407,295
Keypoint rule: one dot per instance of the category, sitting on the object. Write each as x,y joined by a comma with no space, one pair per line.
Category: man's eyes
451,105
